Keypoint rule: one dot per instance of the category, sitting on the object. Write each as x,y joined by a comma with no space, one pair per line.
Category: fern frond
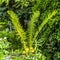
50,15
31,25
17,26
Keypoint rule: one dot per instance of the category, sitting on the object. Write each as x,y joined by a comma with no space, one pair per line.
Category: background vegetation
29,29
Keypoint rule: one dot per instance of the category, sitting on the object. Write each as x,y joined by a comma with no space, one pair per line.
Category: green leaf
31,25
15,20
45,21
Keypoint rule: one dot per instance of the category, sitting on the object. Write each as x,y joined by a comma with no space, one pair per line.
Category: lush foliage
30,29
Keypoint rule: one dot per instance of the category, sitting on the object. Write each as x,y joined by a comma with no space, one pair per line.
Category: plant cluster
32,29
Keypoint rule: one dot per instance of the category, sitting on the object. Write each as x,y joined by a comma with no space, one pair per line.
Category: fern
50,15
32,36
31,25
18,27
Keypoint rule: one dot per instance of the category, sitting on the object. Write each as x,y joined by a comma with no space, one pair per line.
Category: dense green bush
31,29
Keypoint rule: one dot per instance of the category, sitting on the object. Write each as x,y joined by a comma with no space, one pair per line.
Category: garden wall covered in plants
29,30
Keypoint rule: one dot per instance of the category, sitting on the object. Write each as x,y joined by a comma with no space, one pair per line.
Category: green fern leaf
17,26
31,25
50,15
